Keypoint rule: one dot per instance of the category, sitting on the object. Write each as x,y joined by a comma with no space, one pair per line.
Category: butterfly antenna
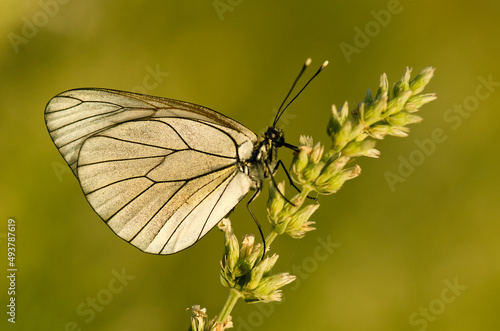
303,88
304,66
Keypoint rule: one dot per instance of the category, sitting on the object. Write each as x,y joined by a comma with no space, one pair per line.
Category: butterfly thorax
264,156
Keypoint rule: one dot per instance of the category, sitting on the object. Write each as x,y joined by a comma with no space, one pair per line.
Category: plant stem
270,238
228,305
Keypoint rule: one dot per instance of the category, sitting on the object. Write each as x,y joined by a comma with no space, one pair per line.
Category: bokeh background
420,254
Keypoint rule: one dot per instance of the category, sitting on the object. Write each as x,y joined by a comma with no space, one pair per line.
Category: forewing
73,116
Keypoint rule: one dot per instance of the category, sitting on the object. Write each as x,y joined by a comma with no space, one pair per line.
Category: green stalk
228,305
270,238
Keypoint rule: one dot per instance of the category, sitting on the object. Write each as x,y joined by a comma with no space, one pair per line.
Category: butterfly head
275,136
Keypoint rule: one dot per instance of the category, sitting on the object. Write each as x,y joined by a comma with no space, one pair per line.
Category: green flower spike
353,133
292,219
199,318
244,268
200,321
250,276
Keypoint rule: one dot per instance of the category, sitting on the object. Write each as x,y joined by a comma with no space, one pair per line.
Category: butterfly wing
75,115
160,172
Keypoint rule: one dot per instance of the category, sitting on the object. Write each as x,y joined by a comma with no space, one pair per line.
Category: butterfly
161,172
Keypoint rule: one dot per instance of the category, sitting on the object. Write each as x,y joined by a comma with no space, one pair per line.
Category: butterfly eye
272,132
276,136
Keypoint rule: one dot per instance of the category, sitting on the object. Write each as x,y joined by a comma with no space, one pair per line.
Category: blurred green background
422,254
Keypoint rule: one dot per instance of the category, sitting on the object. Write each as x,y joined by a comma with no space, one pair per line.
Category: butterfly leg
289,180
276,185
256,221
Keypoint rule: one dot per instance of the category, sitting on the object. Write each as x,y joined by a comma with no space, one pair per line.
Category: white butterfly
160,172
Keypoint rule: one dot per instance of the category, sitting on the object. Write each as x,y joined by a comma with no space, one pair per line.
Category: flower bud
399,131
301,159
373,111
379,131
259,270
416,101
333,168
312,171
317,153
299,223
361,148
247,245
396,104
337,120
336,182
404,84
305,141
231,245
199,318
343,136
334,123
383,86
268,288
275,202
403,118
418,84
